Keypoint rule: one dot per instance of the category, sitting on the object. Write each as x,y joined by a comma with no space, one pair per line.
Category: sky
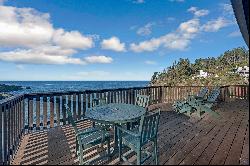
42,40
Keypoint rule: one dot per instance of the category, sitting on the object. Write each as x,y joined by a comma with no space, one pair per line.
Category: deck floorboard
182,140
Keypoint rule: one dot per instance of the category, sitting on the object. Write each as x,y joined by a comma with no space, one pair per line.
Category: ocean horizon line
72,80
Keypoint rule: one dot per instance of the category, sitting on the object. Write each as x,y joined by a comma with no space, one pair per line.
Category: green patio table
115,114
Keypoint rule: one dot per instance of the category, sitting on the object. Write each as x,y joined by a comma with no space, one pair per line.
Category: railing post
45,112
51,111
64,97
37,112
74,105
58,106
2,134
5,140
161,94
30,113
23,115
133,96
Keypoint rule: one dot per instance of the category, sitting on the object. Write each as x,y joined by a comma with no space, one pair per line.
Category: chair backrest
99,102
213,95
202,92
71,119
149,126
142,100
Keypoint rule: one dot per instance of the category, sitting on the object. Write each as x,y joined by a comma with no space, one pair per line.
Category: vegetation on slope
221,70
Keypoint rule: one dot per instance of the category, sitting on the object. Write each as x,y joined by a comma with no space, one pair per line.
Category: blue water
52,86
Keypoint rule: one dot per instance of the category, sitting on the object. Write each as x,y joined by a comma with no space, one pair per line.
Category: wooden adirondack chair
88,137
138,137
202,106
181,106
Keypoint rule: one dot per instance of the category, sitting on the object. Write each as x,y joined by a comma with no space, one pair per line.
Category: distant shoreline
81,81
64,86
6,89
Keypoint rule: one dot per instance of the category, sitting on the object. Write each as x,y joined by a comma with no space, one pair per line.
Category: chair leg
108,146
120,145
138,156
155,152
81,155
77,148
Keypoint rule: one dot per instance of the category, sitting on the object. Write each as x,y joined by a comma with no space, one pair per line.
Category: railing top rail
30,95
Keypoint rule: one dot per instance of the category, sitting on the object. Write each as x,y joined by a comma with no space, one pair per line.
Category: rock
4,95
9,88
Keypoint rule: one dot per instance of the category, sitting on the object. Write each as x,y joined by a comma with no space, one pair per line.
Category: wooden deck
182,140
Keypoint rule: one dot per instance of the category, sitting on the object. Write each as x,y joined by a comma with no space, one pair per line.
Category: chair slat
147,132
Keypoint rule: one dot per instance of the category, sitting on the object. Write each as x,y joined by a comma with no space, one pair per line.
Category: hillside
220,70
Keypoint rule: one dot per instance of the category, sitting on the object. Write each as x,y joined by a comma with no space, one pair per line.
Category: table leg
115,149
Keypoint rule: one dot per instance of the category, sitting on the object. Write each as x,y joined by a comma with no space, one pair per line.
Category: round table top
115,113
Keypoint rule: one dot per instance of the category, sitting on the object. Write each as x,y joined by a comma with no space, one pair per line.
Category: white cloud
149,45
177,40
114,44
24,27
50,55
197,12
216,25
148,62
39,56
94,37
33,39
72,39
145,30
189,27
138,1
227,8
98,59
181,38
235,34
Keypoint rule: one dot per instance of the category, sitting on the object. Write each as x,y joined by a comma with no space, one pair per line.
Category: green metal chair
99,102
142,101
138,137
186,109
201,95
88,137
96,102
202,106
181,106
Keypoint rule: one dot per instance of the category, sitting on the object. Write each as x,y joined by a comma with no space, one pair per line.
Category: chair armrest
81,120
127,131
86,132
212,102
191,95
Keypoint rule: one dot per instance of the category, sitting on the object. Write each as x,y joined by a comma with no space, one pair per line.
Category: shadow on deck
182,140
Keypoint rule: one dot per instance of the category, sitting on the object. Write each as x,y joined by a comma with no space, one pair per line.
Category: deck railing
38,111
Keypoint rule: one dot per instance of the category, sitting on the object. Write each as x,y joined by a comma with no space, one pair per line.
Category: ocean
59,86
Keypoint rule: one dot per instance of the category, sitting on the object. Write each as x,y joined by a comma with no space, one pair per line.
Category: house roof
241,12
